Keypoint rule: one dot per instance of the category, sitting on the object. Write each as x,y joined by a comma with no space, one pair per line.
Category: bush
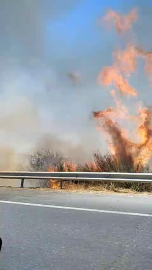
109,163
44,160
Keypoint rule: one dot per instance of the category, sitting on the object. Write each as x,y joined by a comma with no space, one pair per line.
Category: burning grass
128,152
100,163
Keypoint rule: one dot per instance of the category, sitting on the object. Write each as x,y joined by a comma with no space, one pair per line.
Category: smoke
39,106
74,77
26,75
38,100
23,25
78,152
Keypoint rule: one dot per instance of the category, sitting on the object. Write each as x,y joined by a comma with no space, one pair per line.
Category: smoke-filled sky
42,42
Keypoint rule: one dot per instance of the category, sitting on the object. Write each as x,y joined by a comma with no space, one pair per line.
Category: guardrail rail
78,176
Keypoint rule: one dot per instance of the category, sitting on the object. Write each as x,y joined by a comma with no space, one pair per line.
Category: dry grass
102,187
48,161
81,189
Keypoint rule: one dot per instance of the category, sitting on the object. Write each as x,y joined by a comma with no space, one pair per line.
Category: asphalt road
47,230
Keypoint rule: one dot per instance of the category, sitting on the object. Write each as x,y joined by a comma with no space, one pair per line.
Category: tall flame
117,75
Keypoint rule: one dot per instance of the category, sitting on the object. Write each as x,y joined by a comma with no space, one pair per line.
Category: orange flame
54,183
69,166
125,63
111,75
148,58
127,60
122,23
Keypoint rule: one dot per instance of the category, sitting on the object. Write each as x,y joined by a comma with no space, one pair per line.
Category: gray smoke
39,106
37,101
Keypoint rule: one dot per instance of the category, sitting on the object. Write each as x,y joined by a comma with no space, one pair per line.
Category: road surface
57,230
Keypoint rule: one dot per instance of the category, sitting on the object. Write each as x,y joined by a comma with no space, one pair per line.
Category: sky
41,42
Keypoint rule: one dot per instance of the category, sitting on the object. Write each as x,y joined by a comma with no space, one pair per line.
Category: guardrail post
61,184
22,182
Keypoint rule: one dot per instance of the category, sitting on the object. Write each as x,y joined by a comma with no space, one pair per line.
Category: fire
147,55
117,75
131,149
127,60
69,166
145,131
113,75
122,23
125,63
92,166
118,142
54,183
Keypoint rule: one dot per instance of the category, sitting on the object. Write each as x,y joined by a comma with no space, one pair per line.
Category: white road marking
78,209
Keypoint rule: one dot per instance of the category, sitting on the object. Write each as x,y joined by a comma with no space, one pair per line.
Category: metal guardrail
78,176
